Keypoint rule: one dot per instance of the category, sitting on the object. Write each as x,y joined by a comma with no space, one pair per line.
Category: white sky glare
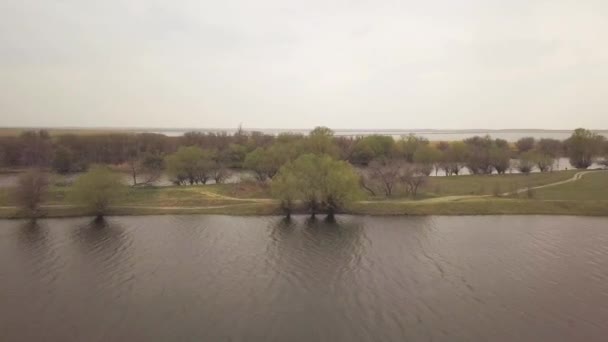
297,64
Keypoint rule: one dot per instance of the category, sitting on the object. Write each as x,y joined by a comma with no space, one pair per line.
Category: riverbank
557,193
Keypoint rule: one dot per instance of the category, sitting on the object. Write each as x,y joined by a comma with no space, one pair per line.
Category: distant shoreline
511,135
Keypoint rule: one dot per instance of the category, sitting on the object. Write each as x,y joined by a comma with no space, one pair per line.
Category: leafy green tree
285,187
321,141
583,147
97,190
191,165
406,147
261,162
426,157
322,183
30,191
235,155
372,147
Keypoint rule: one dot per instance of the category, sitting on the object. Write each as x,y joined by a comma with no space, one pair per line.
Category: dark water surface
217,278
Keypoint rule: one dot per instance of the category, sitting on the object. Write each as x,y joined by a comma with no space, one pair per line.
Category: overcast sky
298,64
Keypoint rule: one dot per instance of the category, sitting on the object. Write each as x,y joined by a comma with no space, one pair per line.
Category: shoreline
465,207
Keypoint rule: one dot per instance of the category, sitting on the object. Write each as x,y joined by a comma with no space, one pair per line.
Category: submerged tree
30,191
526,162
97,190
454,157
543,161
583,147
320,182
285,187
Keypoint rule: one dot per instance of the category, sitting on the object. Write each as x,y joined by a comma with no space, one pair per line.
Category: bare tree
414,176
30,192
149,166
220,173
385,173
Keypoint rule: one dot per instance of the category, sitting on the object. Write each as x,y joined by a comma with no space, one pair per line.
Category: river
220,278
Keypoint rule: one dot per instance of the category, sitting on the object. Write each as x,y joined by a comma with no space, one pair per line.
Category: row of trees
95,191
265,154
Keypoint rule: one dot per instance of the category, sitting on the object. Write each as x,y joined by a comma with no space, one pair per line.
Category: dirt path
577,176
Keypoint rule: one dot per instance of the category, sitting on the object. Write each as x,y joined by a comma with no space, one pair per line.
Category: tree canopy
320,182
97,189
583,147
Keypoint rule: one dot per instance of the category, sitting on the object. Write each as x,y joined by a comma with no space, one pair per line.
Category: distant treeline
265,154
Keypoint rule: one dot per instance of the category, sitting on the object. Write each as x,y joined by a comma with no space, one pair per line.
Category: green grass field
489,184
592,187
461,195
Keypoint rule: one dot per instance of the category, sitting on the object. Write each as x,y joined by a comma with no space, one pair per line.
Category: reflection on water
217,278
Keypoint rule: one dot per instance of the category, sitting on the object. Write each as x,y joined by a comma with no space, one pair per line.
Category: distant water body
433,135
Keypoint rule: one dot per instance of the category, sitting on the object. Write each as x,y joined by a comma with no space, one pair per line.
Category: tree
407,146
322,183
261,163
97,190
382,173
191,165
543,161
372,147
525,144
30,191
454,158
426,157
413,176
500,158
526,162
235,155
62,160
37,148
583,147
604,160
220,173
477,158
552,148
285,187
321,141
149,165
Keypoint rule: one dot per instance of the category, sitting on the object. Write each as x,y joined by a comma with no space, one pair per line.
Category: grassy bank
462,195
